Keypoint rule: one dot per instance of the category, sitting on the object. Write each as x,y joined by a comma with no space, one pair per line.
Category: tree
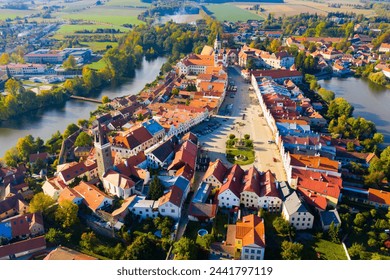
282,226
13,87
4,59
334,232
66,213
185,249
339,107
359,220
291,250
275,45
70,63
105,99
247,136
232,136
327,95
156,189
70,129
11,157
40,203
83,140
56,236
356,250
88,240
144,247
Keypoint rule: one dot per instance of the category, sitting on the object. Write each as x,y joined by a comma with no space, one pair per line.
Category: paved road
255,125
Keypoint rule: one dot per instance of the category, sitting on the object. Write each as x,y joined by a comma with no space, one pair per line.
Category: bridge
86,99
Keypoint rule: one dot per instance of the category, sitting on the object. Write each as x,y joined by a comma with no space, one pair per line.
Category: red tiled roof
218,169
276,74
251,230
325,185
379,196
174,195
233,180
313,199
23,246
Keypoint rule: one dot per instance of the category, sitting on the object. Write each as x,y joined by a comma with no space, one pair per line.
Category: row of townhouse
250,188
265,59
308,158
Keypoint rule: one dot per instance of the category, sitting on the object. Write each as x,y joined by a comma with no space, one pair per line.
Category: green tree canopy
83,140
185,249
66,213
40,203
156,189
70,63
70,129
144,247
291,250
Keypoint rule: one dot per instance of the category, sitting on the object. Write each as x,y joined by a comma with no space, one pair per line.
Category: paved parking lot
214,133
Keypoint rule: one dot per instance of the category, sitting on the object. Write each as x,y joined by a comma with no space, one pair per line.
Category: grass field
136,3
231,12
295,7
99,46
114,16
11,14
329,250
97,65
247,152
78,6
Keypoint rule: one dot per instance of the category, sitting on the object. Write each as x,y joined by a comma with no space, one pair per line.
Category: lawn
99,46
247,152
329,250
230,12
117,16
97,65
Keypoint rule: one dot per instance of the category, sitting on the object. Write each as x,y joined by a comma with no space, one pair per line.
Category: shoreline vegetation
172,40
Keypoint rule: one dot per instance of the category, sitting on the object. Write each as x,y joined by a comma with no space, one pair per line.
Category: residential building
329,217
23,226
378,198
161,154
230,191
53,187
13,206
170,203
71,195
18,249
143,208
296,213
260,191
68,172
384,48
93,198
118,184
215,174
317,164
245,240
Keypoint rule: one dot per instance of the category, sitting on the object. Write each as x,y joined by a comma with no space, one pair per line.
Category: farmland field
6,13
231,12
295,7
117,16
136,3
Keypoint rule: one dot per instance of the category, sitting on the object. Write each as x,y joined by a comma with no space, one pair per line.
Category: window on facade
308,224
252,257
246,250
304,219
298,219
246,257
257,258
309,219
303,224
292,219
163,210
172,210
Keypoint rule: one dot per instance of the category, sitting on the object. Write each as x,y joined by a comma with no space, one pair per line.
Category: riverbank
369,100
44,122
